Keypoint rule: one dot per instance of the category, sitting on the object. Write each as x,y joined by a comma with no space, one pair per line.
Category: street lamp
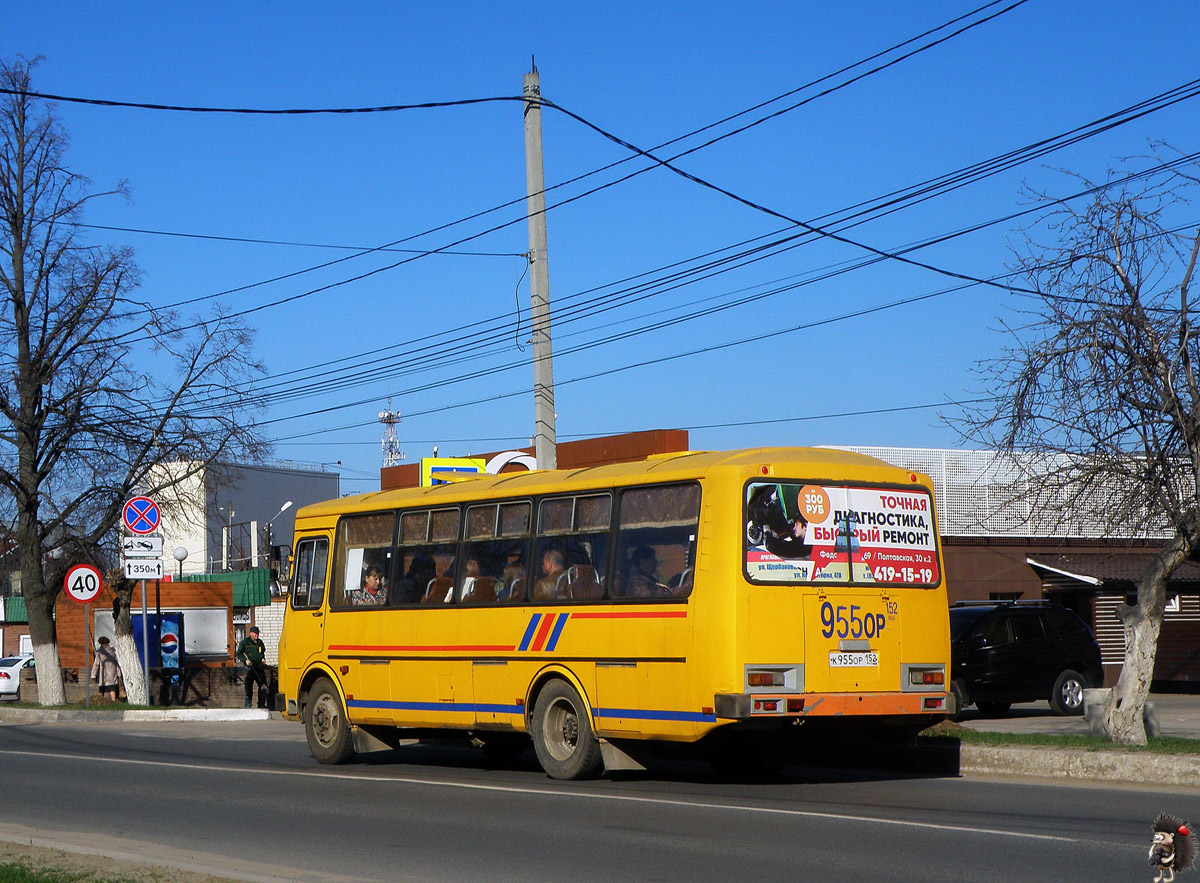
180,554
270,521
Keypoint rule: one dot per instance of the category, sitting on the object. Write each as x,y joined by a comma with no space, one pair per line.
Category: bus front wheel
325,724
562,733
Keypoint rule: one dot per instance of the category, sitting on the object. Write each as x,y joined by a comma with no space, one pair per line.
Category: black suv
1006,652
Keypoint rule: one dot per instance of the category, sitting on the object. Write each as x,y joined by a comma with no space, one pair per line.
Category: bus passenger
513,579
371,594
553,570
410,587
641,582
469,578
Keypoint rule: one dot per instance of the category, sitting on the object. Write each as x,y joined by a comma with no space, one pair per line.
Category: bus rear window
804,534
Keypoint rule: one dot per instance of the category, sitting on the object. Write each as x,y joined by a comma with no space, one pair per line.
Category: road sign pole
145,649
87,648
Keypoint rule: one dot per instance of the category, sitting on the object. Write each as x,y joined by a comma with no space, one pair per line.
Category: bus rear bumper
745,706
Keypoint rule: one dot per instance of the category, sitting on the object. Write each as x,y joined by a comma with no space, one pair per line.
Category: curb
1084,766
51,715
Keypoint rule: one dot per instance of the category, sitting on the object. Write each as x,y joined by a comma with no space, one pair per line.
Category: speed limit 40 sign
83,583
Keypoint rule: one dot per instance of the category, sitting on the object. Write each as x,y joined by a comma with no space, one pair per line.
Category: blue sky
648,73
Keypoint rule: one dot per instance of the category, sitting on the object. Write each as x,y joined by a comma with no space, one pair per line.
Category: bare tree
95,388
1103,376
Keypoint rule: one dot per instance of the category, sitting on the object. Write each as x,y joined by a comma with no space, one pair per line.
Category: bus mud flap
621,757
373,739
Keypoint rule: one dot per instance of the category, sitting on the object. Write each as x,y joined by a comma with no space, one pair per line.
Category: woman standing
106,670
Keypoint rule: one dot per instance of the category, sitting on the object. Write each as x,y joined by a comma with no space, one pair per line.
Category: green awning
15,610
251,588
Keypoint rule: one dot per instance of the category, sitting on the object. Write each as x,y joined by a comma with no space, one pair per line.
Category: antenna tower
391,443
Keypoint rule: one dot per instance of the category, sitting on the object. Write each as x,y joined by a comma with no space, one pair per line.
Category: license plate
869,659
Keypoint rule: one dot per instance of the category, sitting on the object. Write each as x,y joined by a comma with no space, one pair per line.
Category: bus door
306,619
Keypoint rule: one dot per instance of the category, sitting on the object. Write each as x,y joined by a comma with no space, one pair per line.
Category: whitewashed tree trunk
131,669
1124,712
48,671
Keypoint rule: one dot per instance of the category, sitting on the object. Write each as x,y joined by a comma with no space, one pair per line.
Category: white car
10,675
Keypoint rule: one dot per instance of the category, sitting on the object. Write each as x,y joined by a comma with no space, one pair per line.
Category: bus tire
325,724
562,733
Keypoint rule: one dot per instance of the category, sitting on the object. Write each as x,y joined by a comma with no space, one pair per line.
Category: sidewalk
99,714
1178,716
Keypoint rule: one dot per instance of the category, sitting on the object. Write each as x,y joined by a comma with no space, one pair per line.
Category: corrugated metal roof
251,588
15,609
1116,570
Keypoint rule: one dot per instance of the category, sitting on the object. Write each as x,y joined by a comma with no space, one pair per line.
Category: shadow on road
688,763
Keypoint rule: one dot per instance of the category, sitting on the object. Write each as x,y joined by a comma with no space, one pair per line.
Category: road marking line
584,795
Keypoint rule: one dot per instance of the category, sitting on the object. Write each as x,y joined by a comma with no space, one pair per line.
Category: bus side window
363,560
428,547
656,541
308,584
571,551
493,553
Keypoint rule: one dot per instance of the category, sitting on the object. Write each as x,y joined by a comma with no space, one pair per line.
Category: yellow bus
737,597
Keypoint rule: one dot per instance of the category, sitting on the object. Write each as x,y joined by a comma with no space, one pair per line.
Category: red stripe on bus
543,631
401,648
633,614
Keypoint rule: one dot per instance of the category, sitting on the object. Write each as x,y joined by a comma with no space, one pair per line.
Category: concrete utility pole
544,438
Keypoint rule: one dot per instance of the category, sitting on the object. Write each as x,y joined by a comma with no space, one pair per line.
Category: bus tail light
764,678
794,706
922,678
935,703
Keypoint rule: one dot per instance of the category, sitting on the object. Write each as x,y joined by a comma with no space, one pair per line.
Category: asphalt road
245,800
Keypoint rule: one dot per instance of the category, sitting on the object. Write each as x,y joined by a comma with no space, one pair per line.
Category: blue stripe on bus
435,706
529,631
650,714
558,627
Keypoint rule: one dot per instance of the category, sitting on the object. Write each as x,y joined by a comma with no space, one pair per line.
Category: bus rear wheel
562,733
325,724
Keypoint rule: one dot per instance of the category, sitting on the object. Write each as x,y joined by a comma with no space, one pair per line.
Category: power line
261,111
352,374
516,201
364,249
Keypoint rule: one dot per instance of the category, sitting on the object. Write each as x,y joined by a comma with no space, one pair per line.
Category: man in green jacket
252,653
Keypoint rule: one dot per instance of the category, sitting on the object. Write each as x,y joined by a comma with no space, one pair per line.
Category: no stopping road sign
141,515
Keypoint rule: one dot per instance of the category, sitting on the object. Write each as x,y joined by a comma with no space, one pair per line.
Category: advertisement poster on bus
807,533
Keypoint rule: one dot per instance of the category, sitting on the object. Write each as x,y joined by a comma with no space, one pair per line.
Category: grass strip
20,873
1156,744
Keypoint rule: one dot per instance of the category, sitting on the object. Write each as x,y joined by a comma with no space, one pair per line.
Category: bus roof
781,461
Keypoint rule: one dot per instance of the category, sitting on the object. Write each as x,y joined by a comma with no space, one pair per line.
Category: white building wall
269,620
